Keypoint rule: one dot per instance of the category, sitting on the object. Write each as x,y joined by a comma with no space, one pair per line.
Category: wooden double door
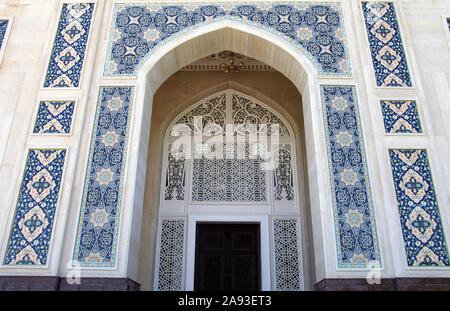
227,257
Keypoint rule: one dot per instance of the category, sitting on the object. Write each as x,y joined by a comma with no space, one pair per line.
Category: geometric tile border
400,116
388,55
36,208
54,117
419,212
69,47
355,229
98,225
316,28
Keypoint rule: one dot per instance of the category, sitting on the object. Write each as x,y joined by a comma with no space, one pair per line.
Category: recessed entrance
227,257
217,171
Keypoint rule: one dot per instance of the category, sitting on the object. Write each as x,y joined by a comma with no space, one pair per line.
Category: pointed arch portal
295,64
222,179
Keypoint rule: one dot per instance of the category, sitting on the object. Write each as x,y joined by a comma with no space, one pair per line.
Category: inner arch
225,35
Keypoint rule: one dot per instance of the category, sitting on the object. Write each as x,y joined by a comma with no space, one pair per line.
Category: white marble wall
22,72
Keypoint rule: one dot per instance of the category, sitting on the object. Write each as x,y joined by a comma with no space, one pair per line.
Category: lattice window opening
170,270
220,149
287,255
283,178
219,179
246,129
175,181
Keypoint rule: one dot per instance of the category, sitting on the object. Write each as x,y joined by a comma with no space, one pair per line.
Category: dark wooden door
227,257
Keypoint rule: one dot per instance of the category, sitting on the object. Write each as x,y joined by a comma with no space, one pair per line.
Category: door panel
213,270
227,257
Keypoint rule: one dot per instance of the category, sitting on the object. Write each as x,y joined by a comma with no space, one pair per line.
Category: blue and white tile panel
317,28
69,48
401,117
355,229
37,201
388,55
54,117
97,234
422,228
3,28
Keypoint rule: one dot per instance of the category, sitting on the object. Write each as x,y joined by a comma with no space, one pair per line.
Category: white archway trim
165,62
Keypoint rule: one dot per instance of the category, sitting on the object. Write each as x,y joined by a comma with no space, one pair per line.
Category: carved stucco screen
316,28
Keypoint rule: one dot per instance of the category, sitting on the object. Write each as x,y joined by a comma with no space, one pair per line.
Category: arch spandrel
315,28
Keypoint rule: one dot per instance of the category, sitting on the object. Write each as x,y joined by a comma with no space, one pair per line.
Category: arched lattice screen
232,171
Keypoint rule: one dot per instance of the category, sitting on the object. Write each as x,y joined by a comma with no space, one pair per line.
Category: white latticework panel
170,273
288,267
283,179
212,111
229,180
246,112
175,176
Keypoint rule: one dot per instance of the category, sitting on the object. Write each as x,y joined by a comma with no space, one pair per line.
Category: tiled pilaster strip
3,28
36,207
98,225
356,235
422,229
69,47
388,55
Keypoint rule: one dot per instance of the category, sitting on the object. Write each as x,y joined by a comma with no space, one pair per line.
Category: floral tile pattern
36,207
388,55
314,27
356,235
54,117
400,116
100,208
422,229
3,28
69,48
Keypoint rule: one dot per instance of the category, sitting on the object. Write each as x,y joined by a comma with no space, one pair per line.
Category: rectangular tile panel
54,117
36,207
98,226
69,47
388,55
356,234
422,227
